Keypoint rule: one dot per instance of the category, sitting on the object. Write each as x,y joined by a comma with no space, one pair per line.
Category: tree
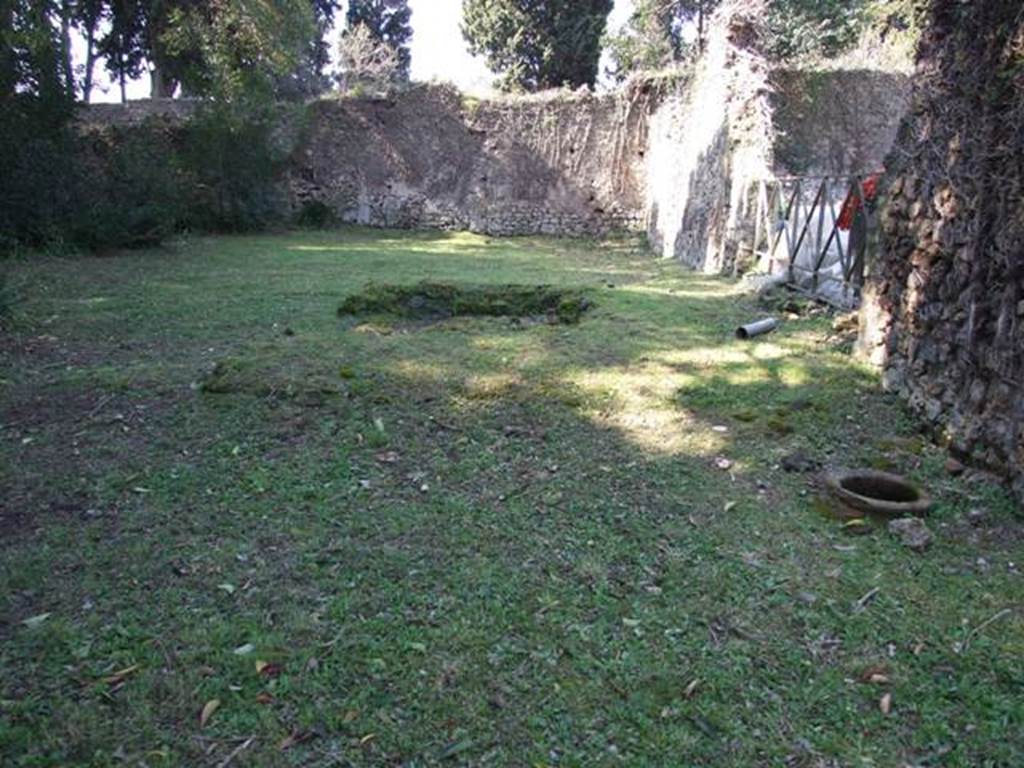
646,42
36,100
33,60
309,78
696,12
233,50
656,35
814,28
537,44
174,41
88,16
366,61
388,21
123,46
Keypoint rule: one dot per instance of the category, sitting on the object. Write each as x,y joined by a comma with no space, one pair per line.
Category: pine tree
537,44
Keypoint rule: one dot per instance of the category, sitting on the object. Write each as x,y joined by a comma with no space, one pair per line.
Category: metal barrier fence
814,229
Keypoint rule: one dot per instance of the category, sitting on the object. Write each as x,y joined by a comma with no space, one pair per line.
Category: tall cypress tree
389,22
536,44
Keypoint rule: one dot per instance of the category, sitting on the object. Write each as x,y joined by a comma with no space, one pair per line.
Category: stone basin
877,492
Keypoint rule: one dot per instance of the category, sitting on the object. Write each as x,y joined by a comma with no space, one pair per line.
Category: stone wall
944,304
553,164
708,143
836,122
673,156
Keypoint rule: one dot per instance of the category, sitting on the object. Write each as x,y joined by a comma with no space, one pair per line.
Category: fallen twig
988,622
237,751
103,401
861,604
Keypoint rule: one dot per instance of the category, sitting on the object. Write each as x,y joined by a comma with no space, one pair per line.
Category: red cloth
852,203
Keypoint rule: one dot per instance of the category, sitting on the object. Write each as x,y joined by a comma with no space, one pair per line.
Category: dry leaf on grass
296,737
119,676
208,710
268,669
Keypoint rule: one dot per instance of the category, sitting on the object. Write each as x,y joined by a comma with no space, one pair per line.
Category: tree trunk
124,89
65,48
700,26
162,86
90,62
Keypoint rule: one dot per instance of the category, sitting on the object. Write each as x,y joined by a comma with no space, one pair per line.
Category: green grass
472,542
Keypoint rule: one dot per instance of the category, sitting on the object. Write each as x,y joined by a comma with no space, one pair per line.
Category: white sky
438,50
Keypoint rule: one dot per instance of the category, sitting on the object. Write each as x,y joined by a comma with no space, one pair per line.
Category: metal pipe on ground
757,328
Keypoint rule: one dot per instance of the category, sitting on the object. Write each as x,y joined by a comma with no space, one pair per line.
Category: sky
438,50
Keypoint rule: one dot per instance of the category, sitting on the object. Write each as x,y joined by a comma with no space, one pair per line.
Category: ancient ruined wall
707,144
836,122
944,305
675,156
556,164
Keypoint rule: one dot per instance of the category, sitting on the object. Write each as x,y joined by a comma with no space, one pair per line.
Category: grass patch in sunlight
474,542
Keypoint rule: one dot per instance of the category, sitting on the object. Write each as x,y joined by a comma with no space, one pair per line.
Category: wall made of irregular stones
675,156
561,164
944,303
836,122
708,144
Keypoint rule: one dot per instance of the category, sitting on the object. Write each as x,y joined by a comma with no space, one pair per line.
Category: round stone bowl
881,493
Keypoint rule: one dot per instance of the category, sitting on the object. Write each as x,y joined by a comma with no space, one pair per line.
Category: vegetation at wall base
67,187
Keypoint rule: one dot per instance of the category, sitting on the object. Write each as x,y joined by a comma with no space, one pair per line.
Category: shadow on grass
476,542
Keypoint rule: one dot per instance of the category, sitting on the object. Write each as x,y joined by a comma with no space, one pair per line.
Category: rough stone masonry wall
944,304
708,143
673,156
836,122
674,159
429,158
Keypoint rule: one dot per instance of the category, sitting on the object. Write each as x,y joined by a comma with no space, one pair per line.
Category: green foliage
535,45
308,77
125,188
644,44
315,214
800,28
239,49
815,29
31,52
124,45
35,109
388,21
654,35
35,198
234,168
211,47
130,190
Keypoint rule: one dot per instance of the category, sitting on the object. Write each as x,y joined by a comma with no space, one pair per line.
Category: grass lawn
470,542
